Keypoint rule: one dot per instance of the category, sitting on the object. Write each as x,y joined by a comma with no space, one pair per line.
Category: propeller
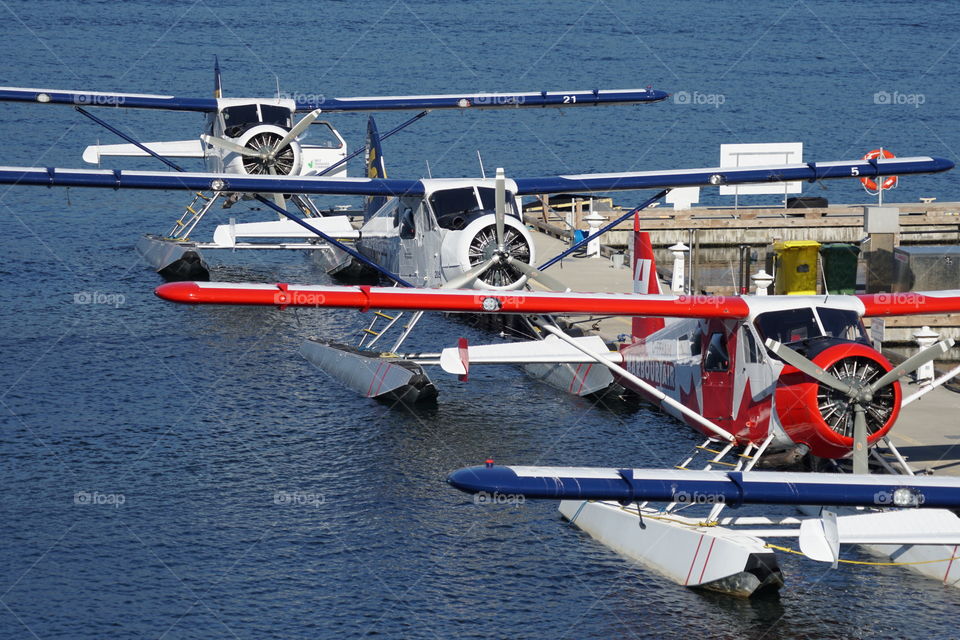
536,275
502,258
266,148
228,145
468,278
861,391
298,129
500,194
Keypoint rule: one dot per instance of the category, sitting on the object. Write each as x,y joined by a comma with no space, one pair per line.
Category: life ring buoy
889,182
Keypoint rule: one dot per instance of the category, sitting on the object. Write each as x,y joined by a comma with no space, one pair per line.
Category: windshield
241,117
794,325
842,324
455,208
788,326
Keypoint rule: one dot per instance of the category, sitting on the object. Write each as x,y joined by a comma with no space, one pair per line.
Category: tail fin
645,280
375,168
217,88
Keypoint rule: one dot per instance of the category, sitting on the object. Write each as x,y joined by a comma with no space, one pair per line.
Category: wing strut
602,230
282,211
653,391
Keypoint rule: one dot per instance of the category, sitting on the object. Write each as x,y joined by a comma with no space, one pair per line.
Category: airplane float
259,136
817,387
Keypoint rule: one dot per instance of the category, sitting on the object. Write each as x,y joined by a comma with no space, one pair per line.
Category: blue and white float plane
258,136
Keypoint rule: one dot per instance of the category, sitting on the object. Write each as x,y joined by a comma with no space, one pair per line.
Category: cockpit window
841,324
241,117
791,325
456,208
278,116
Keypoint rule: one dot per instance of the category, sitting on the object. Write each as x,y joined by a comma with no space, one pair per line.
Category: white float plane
260,136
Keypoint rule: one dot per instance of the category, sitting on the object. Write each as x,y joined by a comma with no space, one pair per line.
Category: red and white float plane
763,377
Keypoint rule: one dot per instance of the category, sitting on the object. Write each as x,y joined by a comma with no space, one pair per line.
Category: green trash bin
840,267
796,267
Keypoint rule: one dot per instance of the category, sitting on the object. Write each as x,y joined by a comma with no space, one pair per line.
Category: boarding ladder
745,461
192,215
372,333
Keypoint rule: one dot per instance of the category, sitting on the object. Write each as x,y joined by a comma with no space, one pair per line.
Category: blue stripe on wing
726,176
207,181
754,487
102,99
483,100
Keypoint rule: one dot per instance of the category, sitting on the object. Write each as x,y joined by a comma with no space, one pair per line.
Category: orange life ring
869,183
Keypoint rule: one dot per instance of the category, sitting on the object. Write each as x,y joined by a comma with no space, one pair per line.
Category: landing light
43,97
217,184
906,497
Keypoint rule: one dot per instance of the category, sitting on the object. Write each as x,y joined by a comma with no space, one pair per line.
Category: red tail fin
645,280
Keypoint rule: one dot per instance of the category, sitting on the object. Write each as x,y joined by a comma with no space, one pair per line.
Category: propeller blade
911,364
278,198
501,206
468,277
791,357
535,274
228,145
297,129
860,464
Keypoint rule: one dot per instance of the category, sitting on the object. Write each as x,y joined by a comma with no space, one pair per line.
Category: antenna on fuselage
429,175
483,174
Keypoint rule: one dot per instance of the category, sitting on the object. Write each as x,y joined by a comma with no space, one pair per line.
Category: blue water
174,472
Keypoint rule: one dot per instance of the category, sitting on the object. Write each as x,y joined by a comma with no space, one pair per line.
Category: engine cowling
477,242
263,139
821,417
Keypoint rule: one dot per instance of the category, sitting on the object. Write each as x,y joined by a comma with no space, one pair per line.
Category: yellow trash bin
796,267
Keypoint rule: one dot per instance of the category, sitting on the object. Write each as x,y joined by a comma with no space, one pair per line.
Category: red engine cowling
821,417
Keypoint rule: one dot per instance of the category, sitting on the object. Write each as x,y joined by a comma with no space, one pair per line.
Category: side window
696,346
716,358
751,349
408,228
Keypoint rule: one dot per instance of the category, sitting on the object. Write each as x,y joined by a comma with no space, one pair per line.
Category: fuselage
720,368
432,239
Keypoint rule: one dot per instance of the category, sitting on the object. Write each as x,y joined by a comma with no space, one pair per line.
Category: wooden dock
921,223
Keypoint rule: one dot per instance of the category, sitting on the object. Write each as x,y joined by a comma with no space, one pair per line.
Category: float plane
262,136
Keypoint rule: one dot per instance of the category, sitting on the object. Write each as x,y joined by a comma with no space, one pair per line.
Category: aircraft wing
454,300
311,101
716,176
116,179
910,303
731,487
484,100
104,99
